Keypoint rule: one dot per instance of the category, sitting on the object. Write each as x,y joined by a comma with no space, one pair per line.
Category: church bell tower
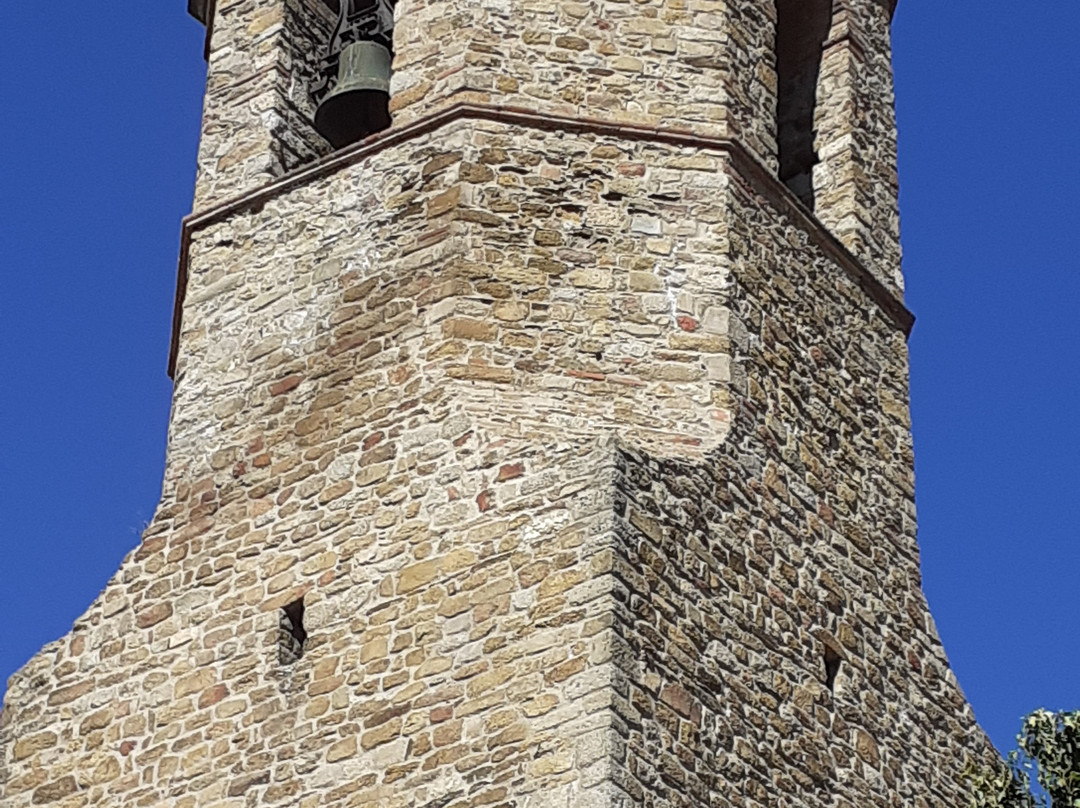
540,435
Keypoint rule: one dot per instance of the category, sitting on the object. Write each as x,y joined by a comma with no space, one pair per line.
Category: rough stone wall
395,407
796,535
257,112
856,182
579,446
470,399
705,66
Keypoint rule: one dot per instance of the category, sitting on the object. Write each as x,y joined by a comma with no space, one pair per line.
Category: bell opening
350,116
359,104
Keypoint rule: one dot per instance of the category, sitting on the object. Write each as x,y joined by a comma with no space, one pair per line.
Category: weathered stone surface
579,445
55,791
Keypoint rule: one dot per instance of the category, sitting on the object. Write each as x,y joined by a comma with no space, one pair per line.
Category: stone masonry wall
856,181
360,419
706,66
580,444
577,449
257,111
796,535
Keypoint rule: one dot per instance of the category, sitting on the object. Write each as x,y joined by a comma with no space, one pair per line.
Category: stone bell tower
547,448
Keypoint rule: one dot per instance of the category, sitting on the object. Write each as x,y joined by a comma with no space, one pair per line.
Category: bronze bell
359,104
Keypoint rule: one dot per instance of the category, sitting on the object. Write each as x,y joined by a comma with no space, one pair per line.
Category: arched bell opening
353,95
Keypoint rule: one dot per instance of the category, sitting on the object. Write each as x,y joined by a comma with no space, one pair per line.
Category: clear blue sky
100,117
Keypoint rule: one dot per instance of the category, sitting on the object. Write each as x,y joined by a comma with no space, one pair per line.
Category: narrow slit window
832,668
292,636
802,28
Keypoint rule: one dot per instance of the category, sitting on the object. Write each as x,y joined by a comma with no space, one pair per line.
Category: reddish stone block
687,323
440,714
678,700
586,374
510,472
154,615
285,385
212,696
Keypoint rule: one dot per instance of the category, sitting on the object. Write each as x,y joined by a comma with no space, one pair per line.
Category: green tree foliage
1049,752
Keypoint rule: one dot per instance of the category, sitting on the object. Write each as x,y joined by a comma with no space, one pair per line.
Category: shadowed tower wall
576,423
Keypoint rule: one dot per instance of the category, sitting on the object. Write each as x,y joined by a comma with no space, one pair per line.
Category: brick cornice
744,162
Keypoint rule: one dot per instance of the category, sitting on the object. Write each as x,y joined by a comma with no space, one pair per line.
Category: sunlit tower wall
547,448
